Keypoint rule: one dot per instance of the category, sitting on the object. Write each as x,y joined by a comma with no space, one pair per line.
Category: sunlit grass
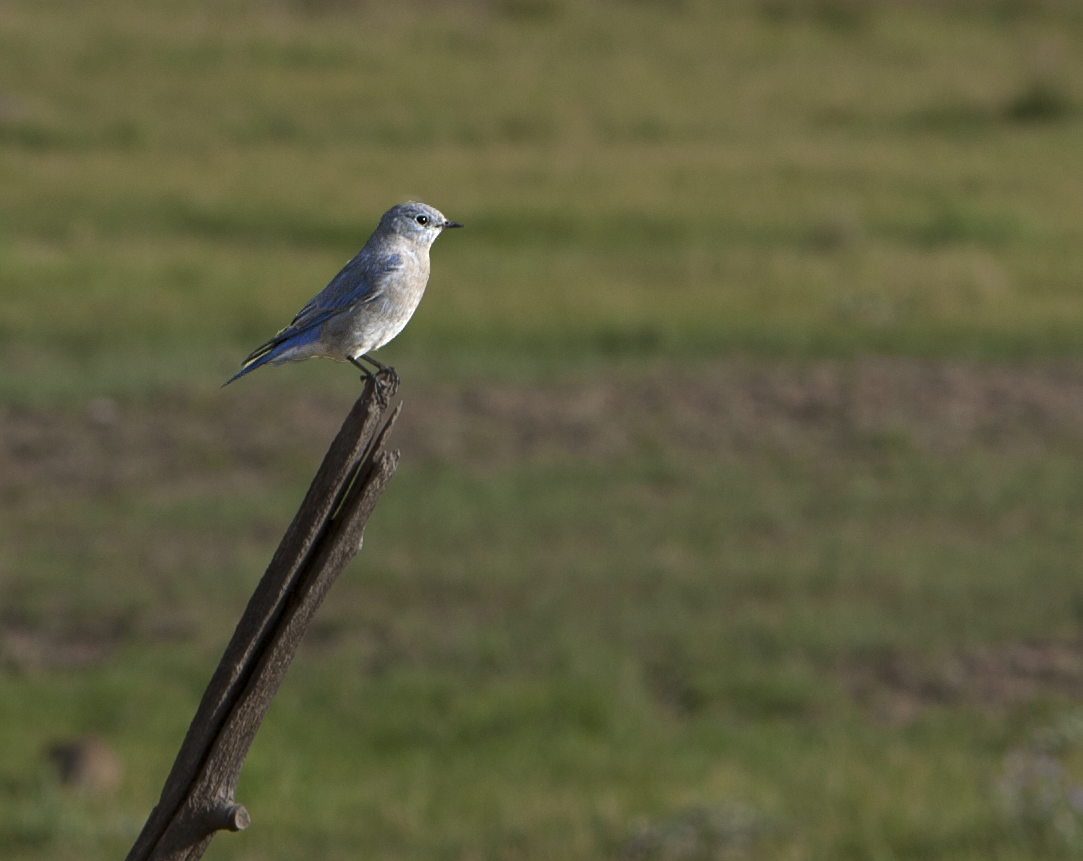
726,178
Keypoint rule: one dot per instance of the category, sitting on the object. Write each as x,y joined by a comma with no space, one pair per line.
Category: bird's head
416,221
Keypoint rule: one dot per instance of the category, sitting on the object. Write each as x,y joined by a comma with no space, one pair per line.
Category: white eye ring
422,219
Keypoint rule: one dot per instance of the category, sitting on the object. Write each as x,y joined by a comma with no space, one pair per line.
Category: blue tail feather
250,366
269,352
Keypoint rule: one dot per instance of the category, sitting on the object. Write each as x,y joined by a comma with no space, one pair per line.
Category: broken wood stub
325,534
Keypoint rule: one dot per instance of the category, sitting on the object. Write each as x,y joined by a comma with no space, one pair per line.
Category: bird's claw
384,378
386,381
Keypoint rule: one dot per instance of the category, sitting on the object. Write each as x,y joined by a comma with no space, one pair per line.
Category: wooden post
325,534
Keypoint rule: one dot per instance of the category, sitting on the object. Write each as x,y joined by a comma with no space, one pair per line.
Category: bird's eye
422,220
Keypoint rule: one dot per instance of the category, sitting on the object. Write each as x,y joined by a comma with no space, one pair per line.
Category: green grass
535,659
751,176
539,657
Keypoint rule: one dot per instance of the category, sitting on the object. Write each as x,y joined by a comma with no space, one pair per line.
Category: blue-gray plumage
369,302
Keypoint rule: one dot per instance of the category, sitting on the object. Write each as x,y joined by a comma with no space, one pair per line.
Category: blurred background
741,504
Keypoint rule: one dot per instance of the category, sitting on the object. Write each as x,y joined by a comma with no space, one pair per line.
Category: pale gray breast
378,321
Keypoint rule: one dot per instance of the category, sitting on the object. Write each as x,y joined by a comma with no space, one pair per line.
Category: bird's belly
379,322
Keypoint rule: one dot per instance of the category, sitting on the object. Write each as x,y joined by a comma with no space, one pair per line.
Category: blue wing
358,282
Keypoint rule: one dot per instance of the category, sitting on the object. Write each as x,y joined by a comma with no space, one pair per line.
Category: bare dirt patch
230,442
28,648
177,445
732,406
898,687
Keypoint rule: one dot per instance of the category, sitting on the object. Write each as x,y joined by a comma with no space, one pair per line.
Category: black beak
448,224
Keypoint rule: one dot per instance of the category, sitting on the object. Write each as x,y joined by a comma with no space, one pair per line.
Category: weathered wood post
325,534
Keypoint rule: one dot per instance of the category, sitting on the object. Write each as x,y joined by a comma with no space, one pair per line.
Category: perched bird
369,302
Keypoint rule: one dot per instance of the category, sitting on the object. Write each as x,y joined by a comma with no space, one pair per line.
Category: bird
369,302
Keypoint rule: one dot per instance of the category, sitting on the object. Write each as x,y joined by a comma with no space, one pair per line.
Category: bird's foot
387,383
385,379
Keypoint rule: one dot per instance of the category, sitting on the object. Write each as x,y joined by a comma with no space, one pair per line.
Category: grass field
741,504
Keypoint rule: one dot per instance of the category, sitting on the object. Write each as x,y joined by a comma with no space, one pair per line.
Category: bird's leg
380,366
364,370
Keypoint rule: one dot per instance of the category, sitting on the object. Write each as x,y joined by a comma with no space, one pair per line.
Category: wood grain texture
325,534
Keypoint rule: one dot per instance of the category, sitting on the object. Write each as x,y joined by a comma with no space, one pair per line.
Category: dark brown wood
325,534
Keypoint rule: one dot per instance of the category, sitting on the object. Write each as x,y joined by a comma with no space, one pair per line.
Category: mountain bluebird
369,302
